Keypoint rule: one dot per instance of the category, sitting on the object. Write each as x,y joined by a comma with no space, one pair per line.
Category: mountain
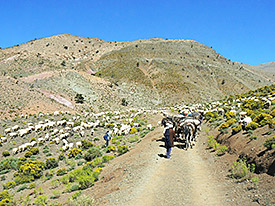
46,74
270,67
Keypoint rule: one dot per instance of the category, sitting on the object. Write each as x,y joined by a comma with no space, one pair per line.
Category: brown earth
193,177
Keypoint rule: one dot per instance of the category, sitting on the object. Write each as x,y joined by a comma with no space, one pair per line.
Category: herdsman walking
169,135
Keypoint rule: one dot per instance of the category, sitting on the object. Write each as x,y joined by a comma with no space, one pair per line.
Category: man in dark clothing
169,135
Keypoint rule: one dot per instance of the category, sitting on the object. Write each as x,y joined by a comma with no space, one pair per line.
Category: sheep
15,128
71,124
71,145
62,131
23,132
65,147
13,134
15,151
3,139
38,127
33,143
67,129
47,137
62,136
78,144
92,132
8,130
56,113
55,131
149,126
40,140
61,123
136,124
64,141
245,121
56,140
82,133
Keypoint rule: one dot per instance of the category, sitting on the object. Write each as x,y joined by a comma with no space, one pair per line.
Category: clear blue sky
240,30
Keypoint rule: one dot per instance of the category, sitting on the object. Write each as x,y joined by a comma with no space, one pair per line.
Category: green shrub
32,185
73,188
264,119
253,138
8,185
211,115
133,130
56,194
121,149
96,173
92,153
229,115
272,113
34,150
74,152
23,187
133,139
252,126
61,171
5,153
8,164
227,124
86,144
270,143
51,163
221,150
144,133
236,129
107,158
29,171
28,154
82,200
241,170
86,181
76,195
5,198
110,149
61,157
211,142
41,200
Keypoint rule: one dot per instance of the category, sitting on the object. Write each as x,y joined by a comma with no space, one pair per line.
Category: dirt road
144,177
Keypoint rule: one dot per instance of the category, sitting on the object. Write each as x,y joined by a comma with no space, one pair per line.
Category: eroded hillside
142,73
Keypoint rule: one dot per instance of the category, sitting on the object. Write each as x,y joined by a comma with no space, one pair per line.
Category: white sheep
78,144
71,145
149,126
40,140
8,130
33,143
13,134
14,151
64,141
38,127
56,140
15,128
3,139
82,133
23,132
65,147
47,137
65,135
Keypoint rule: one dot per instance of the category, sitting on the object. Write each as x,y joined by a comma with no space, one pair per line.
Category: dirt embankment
193,177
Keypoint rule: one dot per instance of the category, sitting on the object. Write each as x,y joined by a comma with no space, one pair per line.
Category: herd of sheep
58,131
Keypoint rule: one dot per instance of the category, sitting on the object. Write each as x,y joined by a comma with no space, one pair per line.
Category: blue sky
240,30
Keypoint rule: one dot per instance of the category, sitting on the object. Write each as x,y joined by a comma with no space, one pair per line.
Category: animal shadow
162,155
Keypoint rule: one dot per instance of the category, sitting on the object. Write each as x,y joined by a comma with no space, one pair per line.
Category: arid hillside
47,74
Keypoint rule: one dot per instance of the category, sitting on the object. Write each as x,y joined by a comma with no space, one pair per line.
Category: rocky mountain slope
47,74
270,67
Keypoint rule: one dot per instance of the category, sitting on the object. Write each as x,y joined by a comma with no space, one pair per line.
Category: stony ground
194,177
